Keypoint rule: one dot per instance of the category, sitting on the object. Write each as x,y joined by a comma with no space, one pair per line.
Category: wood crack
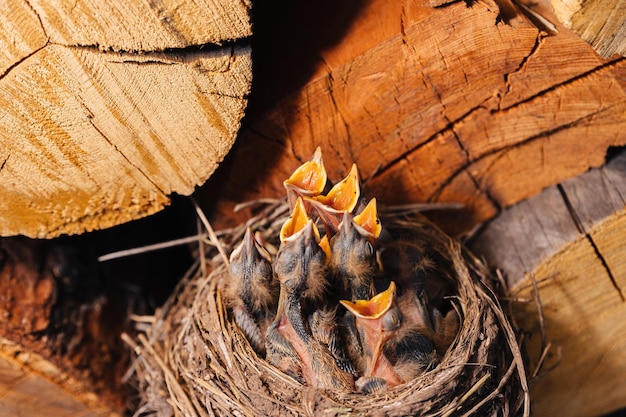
565,83
403,22
146,176
540,135
581,228
32,9
24,58
451,3
4,162
167,56
522,64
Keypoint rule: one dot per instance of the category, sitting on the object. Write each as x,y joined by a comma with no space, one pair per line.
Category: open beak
368,221
373,308
371,315
309,179
343,197
297,222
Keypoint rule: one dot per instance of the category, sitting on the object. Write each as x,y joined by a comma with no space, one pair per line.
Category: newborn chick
353,258
416,271
251,293
353,267
299,266
377,319
393,353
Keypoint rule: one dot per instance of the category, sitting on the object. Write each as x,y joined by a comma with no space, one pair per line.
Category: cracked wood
107,108
435,104
571,237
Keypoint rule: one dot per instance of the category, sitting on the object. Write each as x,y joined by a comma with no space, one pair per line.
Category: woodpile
107,111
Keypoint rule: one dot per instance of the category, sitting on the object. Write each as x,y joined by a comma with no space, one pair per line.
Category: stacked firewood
353,308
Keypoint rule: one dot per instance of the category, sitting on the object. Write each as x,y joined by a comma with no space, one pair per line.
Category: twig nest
194,359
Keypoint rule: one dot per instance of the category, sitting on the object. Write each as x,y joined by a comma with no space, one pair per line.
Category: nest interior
193,360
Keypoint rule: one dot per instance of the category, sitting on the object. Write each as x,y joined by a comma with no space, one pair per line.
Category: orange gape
309,179
377,319
296,222
368,219
344,195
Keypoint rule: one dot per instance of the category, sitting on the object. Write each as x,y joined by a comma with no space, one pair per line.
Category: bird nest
194,360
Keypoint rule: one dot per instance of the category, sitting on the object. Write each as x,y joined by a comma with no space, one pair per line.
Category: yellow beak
309,179
368,219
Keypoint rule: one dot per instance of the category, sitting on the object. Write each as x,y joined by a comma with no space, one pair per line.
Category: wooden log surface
571,237
106,108
437,103
599,22
32,386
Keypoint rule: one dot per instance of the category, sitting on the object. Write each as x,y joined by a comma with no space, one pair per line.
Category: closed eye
392,319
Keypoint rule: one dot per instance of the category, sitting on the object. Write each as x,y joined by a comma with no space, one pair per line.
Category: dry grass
193,361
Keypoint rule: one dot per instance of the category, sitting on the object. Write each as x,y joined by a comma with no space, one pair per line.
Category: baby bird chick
353,258
251,292
353,268
377,320
416,271
294,227
394,354
299,266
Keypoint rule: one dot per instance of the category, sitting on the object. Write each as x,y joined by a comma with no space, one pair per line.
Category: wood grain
143,25
599,22
571,238
450,104
32,386
107,108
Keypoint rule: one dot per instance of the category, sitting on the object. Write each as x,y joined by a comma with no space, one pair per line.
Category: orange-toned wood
449,103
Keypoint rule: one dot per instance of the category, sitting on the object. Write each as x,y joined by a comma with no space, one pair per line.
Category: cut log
571,238
599,22
435,104
107,108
